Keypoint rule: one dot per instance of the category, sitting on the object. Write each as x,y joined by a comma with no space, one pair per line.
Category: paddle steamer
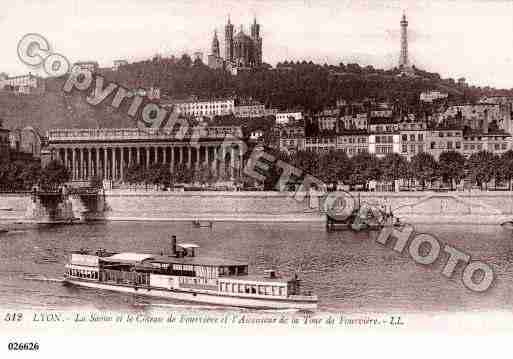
182,275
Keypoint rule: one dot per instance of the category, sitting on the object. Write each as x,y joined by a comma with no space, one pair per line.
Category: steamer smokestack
173,245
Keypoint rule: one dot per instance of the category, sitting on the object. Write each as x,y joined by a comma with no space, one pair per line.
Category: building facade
353,142
24,84
414,138
284,117
207,108
107,153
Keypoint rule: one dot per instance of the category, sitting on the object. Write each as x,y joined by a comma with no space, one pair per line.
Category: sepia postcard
249,178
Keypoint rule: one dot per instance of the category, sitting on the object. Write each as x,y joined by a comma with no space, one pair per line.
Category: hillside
289,85
56,109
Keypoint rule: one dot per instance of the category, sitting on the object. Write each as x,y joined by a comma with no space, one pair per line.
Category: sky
470,38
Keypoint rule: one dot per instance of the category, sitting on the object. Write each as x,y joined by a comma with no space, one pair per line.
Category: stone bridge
65,205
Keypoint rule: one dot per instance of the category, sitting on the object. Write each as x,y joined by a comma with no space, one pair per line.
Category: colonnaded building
106,153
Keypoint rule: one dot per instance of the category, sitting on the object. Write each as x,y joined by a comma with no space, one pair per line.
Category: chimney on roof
173,245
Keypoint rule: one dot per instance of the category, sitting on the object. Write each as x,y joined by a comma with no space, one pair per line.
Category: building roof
128,257
206,261
142,258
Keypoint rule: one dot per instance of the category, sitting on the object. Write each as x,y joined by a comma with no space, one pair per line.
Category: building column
138,154
89,164
189,157
206,155
105,164
147,157
214,160
232,162
172,162
113,165
66,164
129,156
198,156
180,155
97,150
122,164
164,155
73,174
222,169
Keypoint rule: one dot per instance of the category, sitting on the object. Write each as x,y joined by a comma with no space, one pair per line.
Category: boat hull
203,296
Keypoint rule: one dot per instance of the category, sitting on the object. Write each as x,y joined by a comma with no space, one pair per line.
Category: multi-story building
24,84
86,65
27,141
327,120
118,64
414,137
431,96
496,142
476,115
444,138
353,142
251,109
291,138
384,136
321,144
284,117
358,121
207,108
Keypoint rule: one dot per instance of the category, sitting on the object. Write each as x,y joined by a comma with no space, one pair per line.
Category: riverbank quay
480,207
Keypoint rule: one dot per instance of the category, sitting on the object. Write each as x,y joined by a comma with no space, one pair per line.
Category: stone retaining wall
449,207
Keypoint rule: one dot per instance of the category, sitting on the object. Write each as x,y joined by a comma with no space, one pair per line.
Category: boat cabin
181,269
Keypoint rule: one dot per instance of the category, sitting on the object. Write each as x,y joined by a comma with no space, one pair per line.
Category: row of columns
108,162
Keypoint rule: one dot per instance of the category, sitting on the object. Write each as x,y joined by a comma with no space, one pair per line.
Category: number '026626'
23,346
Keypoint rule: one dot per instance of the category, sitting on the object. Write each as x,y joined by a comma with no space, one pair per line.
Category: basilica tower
215,45
257,42
228,41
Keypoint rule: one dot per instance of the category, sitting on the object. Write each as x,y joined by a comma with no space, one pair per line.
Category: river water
350,272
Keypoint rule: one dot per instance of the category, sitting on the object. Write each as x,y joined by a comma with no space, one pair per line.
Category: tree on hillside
424,167
451,167
482,167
